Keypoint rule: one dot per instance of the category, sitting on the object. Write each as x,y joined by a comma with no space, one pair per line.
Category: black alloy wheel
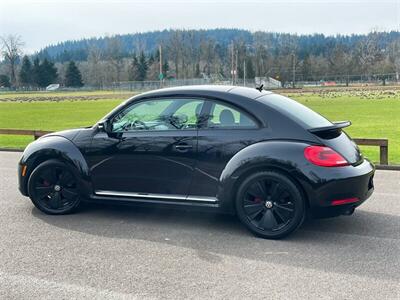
270,204
54,187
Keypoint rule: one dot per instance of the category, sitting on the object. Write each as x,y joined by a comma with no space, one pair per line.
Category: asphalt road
110,252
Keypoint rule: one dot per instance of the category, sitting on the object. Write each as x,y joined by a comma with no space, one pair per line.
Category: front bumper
327,185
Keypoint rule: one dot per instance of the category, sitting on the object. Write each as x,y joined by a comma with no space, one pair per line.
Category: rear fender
284,156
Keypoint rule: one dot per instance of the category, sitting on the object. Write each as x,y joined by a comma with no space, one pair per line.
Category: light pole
232,65
294,70
161,75
244,72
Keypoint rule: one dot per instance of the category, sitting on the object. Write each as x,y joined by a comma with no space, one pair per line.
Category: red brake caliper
257,199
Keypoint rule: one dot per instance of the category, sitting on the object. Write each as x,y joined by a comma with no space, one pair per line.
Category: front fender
286,156
53,147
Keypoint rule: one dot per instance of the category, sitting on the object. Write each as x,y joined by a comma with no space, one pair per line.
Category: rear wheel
270,205
54,188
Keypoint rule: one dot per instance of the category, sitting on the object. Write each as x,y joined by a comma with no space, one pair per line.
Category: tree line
41,74
215,54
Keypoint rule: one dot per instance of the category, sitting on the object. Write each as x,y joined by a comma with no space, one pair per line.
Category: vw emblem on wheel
268,204
57,188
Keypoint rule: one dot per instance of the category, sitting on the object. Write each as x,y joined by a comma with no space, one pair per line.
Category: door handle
183,147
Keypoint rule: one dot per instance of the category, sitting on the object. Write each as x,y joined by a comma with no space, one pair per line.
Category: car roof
207,90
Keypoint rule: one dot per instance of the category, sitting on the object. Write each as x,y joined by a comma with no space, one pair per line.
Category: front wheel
54,188
270,205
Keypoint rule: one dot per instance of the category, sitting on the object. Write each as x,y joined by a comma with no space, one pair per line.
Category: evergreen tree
306,68
133,69
26,72
73,77
157,55
197,71
165,68
142,67
5,81
36,71
47,73
151,59
250,72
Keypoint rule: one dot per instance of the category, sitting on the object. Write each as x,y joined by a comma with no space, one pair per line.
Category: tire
270,205
53,188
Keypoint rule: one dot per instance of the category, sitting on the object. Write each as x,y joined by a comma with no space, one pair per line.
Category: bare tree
394,57
114,55
338,59
95,73
11,51
175,49
262,54
368,52
207,53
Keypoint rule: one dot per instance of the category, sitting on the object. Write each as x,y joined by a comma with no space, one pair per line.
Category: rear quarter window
296,111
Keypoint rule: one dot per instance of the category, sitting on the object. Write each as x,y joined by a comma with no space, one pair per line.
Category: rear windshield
295,111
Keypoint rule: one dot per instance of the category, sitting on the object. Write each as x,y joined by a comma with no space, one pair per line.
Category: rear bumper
328,185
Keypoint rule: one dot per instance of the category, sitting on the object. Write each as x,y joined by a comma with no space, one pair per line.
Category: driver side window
159,114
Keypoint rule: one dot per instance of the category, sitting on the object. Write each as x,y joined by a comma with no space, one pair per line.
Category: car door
225,131
151,150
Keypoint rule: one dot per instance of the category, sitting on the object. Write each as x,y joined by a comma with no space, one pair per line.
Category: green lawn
374,114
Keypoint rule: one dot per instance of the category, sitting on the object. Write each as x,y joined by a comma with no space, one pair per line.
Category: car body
195,147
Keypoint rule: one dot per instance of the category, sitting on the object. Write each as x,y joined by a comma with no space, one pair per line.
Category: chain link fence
268,82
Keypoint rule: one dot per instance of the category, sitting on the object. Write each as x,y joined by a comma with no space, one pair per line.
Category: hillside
316,44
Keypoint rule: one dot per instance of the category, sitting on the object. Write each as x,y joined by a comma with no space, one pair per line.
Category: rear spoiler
334,127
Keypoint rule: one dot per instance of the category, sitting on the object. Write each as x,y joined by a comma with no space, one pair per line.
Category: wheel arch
53,147
263,156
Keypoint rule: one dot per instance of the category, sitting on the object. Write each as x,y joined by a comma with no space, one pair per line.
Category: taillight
324,157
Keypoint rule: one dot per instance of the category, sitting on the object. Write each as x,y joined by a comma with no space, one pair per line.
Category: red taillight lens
324,157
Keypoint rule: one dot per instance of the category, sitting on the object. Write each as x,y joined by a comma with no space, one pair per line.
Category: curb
11,150
388,167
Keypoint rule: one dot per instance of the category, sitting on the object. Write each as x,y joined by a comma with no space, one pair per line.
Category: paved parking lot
110,252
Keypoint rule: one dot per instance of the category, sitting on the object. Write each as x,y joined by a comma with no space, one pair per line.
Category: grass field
374,113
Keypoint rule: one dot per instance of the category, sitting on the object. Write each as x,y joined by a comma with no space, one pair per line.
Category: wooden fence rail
35,133
383,148
382,143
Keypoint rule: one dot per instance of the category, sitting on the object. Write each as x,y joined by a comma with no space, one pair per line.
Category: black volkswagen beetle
256,154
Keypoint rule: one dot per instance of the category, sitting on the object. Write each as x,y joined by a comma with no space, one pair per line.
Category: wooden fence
382,143
383,148
35,133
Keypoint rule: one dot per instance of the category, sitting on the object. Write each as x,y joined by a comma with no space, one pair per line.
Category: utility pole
161,76
244,72
232,64
294,70
236,67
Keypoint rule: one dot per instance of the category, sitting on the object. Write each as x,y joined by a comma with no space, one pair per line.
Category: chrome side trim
140,195
201,198
156,196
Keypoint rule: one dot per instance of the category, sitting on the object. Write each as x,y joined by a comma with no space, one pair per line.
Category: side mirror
104,126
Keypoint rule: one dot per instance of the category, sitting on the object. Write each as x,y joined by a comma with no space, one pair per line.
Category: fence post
384,160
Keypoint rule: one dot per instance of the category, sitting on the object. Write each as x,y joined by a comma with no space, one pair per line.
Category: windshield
295,110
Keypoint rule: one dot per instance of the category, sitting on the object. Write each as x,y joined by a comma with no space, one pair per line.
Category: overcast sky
44,22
